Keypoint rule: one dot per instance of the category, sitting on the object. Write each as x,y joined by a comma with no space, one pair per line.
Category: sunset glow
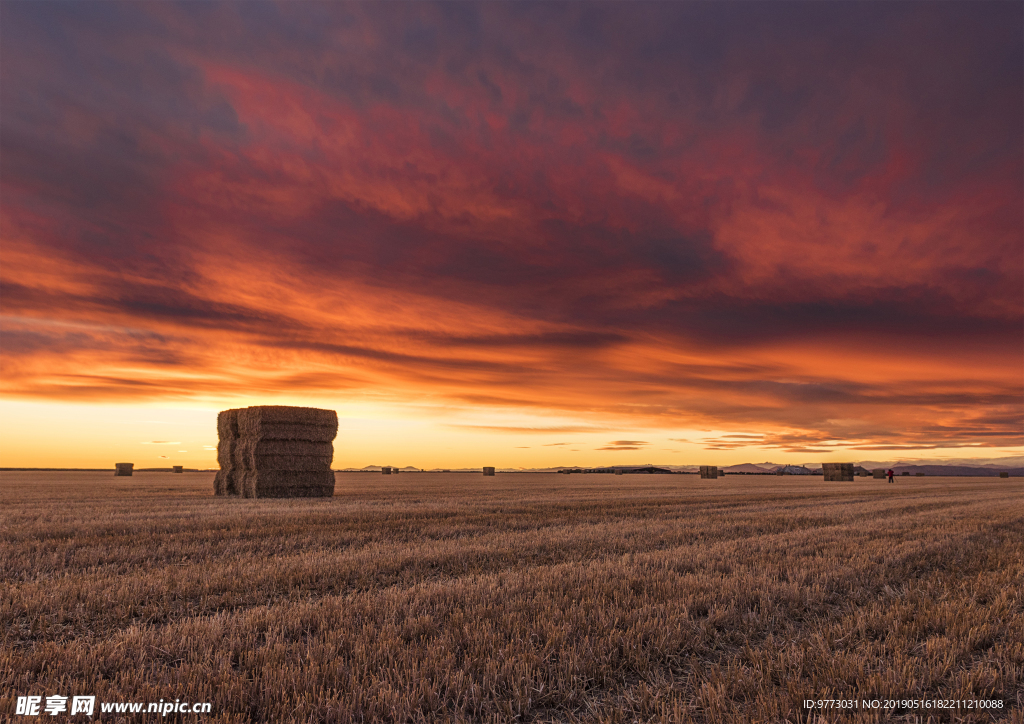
513,234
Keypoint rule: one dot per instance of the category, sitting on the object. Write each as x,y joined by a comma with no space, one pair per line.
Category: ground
519,597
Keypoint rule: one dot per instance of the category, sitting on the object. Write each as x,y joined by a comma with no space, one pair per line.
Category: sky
514,234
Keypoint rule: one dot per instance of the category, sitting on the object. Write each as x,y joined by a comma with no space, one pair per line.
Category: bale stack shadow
274,451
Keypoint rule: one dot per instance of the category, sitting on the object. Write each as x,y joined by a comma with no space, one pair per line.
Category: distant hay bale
920,475
879,473
708,472
488,471
1004,475
177,468
838,472
274,451
386,470
123,469
394,470
619,471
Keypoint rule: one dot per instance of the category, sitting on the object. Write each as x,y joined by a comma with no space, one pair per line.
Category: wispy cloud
529,430
513,214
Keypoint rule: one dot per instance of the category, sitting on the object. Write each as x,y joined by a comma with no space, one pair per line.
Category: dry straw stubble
536,598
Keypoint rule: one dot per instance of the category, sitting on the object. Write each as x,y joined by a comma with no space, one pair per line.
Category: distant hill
746,468
794,470
957,470
1006,463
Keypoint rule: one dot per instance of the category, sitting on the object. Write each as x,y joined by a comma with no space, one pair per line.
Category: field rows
519,598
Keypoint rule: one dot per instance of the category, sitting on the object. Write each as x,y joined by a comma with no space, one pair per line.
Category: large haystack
386,470
488,471
177,468
879,473
123,469
708,472
838,472
273,451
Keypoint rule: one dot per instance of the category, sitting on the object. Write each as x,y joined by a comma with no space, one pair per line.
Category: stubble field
533,598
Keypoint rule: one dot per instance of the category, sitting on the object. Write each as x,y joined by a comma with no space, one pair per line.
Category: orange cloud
563,219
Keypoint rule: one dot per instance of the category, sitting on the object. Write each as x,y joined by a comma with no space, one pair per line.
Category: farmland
522,597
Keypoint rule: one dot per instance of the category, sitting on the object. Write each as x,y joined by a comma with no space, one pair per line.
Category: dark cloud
594,209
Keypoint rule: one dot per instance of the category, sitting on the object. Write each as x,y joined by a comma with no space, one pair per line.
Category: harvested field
532,598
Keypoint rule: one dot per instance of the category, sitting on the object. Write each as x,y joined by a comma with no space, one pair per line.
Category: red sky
800,223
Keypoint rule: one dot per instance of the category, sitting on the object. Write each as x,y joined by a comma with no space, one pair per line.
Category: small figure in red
890,473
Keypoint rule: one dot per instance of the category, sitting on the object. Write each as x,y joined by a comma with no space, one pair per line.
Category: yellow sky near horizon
54,435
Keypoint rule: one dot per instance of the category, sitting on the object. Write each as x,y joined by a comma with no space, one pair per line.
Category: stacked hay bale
386,470
708,472
225,482
619,471
879,473
838,472
123,469
488,471
177,468
273,451
1004,475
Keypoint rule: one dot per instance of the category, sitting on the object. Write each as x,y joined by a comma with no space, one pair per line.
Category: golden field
523,597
